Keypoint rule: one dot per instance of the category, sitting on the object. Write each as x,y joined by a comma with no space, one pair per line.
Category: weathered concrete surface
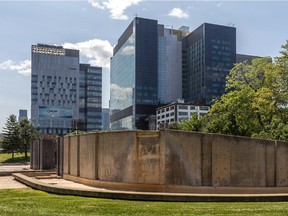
35,154
199,194
43,154
87,156
66,155
148,159
282,164
176,158
74,156
8,169
183,158
117,159
8,182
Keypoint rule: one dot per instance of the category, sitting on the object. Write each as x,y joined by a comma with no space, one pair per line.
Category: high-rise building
22,115
90,93
105,119
134,75
209,53
170,63
242,58
54,88
146,70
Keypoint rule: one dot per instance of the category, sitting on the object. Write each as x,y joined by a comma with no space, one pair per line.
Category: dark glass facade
209,53
134,72
90,98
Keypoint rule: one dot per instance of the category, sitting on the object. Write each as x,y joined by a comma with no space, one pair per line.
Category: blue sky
94,26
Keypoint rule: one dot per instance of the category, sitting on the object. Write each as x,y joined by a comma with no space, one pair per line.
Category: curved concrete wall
167,159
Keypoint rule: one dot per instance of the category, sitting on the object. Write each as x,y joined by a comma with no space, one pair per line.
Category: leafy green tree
28,133
256,100
1,141
194,124
175,126
11,140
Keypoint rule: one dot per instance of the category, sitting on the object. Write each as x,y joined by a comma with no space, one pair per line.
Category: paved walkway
51,183
65,187
14,167
8,182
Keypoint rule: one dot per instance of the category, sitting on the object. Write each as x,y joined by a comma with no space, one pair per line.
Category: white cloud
177,12
120,93
98,51
22,67
115,7
220,4
128,50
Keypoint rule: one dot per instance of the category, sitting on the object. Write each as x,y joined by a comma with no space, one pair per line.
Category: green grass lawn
32,202
18,158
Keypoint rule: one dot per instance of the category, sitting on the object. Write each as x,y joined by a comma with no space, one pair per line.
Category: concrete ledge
9,173
177,188
156,196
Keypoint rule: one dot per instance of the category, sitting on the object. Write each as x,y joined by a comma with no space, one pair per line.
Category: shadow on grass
17,160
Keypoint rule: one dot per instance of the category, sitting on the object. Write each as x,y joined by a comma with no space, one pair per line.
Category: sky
94,26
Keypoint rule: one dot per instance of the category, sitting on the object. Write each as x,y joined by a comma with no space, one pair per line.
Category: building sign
55,112
47,49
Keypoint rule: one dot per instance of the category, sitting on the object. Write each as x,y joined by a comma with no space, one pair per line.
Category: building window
183,113
183,107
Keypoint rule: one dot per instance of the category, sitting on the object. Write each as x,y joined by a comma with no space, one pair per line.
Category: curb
148,196
9,173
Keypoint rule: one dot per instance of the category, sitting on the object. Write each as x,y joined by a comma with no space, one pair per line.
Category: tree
194,124
175,126
11,140
256,100
28,133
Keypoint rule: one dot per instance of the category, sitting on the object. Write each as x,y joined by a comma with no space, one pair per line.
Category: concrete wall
43,155
179,158
116,156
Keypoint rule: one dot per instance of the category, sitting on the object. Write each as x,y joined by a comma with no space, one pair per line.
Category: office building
146,59
105,119
178,112
54,88
22,115
209,53
170,63
242,58
90,98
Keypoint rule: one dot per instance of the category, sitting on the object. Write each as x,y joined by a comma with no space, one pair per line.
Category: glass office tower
90,93
209,53
134,76
170,63
146,71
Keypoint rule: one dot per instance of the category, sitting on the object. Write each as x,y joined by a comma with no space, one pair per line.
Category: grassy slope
32,202
18,158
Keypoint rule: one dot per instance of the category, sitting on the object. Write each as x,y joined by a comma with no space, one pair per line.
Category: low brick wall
168,158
